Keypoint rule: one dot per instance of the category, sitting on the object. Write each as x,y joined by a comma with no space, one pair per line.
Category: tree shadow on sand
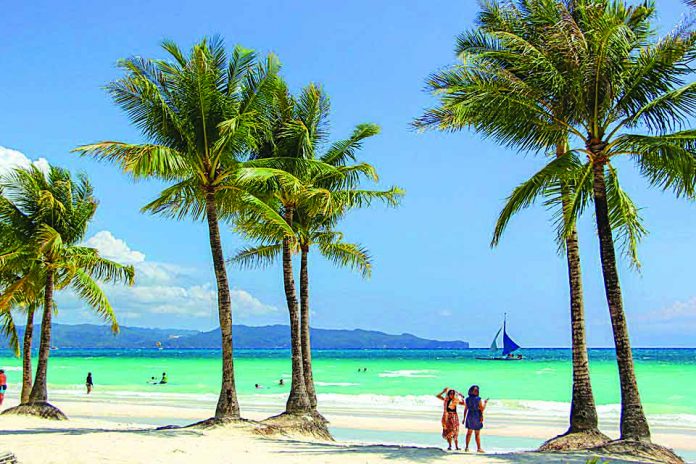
427,455
86,431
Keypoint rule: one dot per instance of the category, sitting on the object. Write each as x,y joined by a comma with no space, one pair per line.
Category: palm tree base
645,451
8,458
211,423
308,424
574,441
41,409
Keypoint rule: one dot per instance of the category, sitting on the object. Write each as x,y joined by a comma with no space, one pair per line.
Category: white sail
494,345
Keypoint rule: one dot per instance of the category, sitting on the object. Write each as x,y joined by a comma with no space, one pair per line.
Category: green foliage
552,76
43,218
329,183
203,114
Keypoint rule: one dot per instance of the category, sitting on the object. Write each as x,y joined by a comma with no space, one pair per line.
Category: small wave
336,384
413,374
13,368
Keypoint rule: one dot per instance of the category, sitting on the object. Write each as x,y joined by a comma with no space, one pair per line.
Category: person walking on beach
473,417
89,383
450,419
3,385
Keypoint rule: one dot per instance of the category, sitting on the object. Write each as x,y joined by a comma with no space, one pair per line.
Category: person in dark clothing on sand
473,413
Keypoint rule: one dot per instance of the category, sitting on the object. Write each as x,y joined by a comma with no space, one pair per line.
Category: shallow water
394,378
395,382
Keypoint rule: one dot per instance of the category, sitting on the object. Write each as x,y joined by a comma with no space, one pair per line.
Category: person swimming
164,378
281,382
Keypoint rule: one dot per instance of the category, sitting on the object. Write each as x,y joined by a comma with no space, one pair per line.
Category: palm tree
330,187
49,214
623,81
630,82
202,114
503,55
27,371
22,302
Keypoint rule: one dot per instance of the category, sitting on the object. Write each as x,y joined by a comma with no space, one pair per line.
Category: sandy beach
125,432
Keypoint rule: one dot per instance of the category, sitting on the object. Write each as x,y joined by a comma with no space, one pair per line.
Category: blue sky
434,273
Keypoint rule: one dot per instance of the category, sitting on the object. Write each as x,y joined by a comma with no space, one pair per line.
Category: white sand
124,432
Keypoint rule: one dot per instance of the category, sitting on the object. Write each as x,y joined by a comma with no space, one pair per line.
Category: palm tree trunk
304,318
227,406
634,425
26,355
298,401
39,391
583,412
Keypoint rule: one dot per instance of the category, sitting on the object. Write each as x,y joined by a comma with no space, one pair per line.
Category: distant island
244,337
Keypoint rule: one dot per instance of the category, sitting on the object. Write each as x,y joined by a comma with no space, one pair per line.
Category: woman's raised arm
483,404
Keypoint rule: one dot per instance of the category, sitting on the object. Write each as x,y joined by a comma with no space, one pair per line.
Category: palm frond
258,257
348,255
91,293
624,217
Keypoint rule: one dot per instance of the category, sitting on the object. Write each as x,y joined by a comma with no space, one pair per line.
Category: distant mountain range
245,337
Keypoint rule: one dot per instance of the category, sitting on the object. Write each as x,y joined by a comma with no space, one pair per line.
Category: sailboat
509,346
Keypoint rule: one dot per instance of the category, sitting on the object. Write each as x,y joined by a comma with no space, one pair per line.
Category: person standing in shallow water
89,383
473,417
450,419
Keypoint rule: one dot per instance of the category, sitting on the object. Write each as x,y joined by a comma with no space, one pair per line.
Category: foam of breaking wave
335,384
408,373
404,404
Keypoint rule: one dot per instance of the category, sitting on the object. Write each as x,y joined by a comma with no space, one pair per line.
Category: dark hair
473,389
451,393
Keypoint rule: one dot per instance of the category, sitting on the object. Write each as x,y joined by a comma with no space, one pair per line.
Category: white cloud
247,304
166,289
114,248
11,159
680,313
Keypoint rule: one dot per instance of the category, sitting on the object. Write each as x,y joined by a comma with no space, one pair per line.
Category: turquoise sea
667,377
395,382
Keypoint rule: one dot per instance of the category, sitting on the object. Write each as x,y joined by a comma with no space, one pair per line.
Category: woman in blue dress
473,413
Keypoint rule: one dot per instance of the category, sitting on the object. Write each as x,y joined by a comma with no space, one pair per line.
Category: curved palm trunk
298,401
634,425
583,412
39,391
26,355
305,336
227,405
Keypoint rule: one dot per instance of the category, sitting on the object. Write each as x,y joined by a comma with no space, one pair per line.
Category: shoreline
413,433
